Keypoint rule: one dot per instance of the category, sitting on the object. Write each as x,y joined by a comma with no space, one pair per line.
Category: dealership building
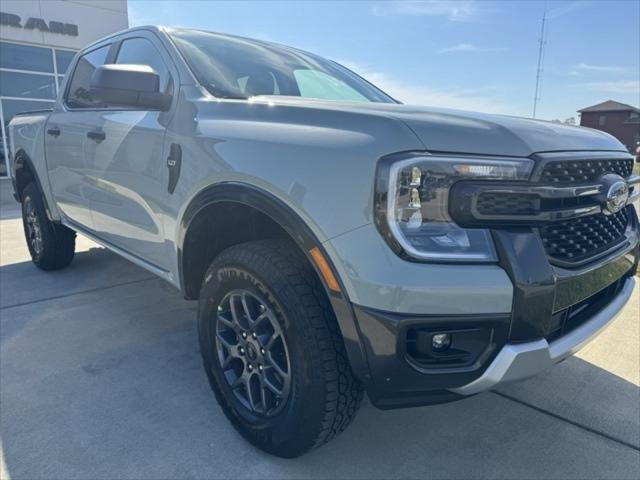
38,39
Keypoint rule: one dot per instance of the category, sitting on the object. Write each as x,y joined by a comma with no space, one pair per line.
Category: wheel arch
296,229
24,173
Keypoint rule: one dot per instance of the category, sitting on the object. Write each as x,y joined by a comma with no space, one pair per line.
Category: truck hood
447,130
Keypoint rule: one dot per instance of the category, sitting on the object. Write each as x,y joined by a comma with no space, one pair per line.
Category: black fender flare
20,161
273,207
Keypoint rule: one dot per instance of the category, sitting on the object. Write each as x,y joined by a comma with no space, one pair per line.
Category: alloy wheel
252,353
34,232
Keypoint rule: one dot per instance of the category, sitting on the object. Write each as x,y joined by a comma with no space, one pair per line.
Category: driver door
128,165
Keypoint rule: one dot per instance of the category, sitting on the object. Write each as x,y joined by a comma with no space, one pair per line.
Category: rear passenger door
66,135
127,162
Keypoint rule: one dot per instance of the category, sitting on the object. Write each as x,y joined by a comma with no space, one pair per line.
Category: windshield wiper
233,97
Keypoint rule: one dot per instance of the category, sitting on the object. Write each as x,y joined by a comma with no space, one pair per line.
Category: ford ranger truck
337,241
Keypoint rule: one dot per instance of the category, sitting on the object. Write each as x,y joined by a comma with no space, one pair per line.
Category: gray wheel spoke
273,364
252,401
238,382
269,385
228,359
224,341
245,307
229,323
259,319
234,309
258,372
263,394
271,341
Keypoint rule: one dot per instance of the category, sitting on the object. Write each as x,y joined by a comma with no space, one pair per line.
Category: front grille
561,171
563,203
572,317
506,203
581,238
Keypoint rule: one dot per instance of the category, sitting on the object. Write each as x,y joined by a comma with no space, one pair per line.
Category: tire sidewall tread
58,241
324,393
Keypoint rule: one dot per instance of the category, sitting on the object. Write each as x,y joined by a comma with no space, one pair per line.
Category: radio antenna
542,42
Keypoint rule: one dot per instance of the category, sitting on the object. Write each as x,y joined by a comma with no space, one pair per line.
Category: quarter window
140,51
79,95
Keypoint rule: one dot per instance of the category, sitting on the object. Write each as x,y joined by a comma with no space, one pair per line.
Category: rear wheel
272,349
51,245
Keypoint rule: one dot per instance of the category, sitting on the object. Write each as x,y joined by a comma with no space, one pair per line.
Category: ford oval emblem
617,196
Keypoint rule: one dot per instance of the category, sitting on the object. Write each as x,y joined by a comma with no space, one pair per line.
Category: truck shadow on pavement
100,377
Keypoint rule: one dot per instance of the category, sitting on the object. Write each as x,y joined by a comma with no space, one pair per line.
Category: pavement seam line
90,290
567,420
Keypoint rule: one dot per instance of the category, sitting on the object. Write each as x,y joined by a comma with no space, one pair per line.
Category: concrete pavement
100,377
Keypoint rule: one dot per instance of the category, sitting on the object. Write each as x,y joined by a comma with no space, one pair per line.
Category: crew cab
337,241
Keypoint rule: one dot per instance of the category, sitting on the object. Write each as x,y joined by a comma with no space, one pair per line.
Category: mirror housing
135,86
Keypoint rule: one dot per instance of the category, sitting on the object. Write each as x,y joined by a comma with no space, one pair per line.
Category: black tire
324,396
51,245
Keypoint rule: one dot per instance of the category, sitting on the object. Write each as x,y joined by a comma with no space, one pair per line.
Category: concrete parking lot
100,377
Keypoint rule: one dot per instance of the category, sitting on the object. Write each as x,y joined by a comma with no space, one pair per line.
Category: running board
160,272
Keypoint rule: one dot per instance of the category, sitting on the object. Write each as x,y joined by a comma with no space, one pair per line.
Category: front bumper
555,311
523,360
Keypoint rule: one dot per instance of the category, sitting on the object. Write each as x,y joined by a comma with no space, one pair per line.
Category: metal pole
536,95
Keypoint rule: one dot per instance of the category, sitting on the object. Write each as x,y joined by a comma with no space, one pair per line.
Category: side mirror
136,86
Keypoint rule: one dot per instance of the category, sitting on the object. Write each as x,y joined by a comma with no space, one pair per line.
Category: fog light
440,341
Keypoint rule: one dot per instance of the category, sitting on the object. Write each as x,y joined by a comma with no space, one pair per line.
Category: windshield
233,67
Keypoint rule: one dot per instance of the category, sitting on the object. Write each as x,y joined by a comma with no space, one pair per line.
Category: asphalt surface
100,377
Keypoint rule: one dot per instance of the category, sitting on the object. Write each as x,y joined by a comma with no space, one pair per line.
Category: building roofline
610,106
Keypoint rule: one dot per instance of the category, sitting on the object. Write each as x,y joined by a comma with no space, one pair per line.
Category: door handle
54,131
97,135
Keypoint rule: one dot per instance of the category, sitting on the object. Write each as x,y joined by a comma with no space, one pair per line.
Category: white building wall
30,70
95,19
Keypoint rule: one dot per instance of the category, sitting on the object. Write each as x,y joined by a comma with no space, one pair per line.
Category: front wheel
272,349
51,245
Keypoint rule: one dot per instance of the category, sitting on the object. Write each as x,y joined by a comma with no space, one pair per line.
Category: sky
464,54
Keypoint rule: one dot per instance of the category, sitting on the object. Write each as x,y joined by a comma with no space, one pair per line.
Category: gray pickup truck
337,240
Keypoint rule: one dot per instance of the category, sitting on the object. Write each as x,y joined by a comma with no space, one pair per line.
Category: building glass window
27,83
63,60
10,108
602,121
25,57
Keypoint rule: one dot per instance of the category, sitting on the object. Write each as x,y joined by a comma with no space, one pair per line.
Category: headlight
412,204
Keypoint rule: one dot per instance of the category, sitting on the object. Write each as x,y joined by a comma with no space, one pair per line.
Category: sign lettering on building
33,23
